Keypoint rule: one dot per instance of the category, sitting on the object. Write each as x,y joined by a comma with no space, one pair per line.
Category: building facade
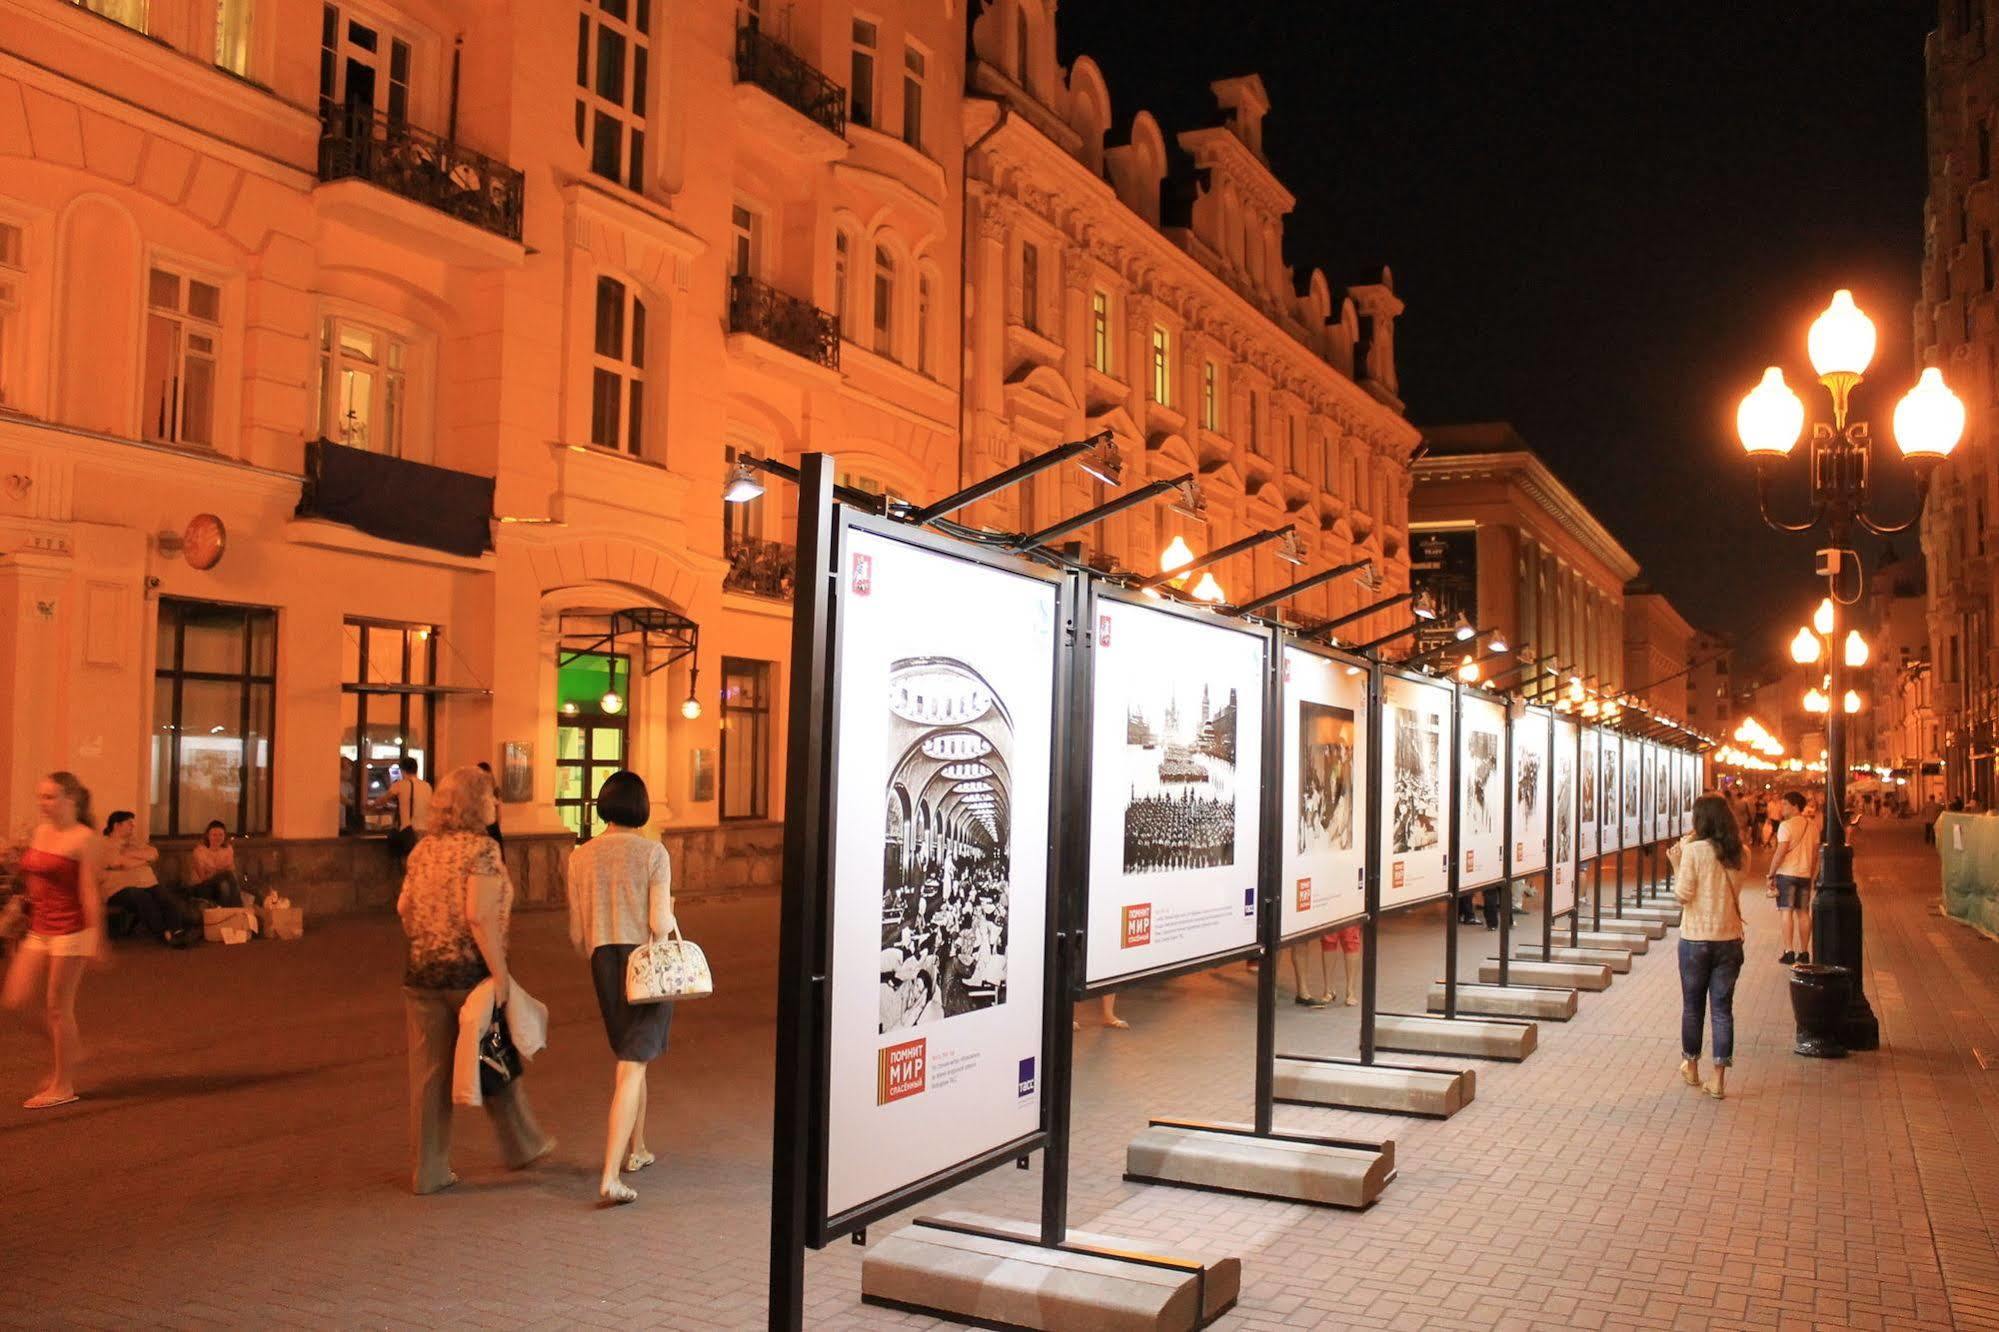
1710,684
369,377
1497,538
1957,328
1658,649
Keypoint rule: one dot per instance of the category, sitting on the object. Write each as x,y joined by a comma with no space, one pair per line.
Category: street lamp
1928,422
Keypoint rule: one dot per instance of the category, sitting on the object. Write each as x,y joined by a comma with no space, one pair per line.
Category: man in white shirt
410,795
1793,868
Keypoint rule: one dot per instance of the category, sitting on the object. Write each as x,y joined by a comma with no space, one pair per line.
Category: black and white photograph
1180,777
1325,777
1610,765
945,871
1418,799
1632,772
1565,793
1481,781
1586,804
1527,792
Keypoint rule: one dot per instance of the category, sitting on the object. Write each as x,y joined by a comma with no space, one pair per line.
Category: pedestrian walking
1932,811
1345,944
59,866
1794,862
455,906
621,896
130,884
1706,885
1305,998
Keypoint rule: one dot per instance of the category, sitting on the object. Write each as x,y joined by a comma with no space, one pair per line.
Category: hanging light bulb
612,702
1805,647
1822,617
1856,648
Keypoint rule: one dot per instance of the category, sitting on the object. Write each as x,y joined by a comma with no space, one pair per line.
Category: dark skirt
637,1031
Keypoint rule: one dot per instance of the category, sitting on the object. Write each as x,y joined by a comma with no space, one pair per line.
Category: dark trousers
1492,901
157,910
223,889
1929,834
1708,971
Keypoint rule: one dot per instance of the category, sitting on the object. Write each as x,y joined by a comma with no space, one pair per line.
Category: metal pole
1836,910
1369,965
1452,877
1269,905
1548,879
1070,910
800,968
1506,850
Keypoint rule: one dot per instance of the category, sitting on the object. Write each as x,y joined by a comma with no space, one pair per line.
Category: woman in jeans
621,896
1705,882
455,905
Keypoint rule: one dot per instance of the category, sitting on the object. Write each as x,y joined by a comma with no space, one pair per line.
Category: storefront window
593,709
388,717
745,739
214,686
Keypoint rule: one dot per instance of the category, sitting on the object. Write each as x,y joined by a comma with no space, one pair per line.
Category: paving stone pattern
239,1156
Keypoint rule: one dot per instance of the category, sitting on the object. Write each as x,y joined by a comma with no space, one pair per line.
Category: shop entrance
592,733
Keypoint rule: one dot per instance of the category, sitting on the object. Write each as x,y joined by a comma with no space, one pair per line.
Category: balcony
786,101
396,500
759,568
784,321
419,166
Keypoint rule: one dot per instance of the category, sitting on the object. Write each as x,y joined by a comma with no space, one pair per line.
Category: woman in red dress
65,925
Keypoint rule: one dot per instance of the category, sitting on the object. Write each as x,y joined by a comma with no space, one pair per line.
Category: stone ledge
1327,1174
1554,1004
1648,929
1625,941
1563,975
1430,1093
1617,959
1480,1038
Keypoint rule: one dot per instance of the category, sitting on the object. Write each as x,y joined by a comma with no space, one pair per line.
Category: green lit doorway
592,733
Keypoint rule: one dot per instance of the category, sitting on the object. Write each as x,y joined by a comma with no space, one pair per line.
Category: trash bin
1819,995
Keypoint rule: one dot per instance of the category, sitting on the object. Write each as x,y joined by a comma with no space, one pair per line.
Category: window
183,332
1100,331
925,296
131,13
1162,366
861,75
1022,64
13,278
363,386
355,87
1256,444
745,242
884,301
613,47
912,98
1211,407
841,249
1030,285
617,387
232,36
1329,465
214,685
1298,462
745,739
591,741
1984,151
388,716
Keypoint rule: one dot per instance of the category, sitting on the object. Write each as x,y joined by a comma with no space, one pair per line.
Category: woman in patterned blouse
455,905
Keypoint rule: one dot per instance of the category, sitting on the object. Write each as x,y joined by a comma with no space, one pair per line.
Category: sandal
1118,1023
638,1161
615,1194
49,1100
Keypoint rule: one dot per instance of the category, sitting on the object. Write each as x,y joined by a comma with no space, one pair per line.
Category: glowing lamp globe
1822,617
1856,648
1815,701
1805,647
1852,701
1177,553
1468,671
1208,589
1770,417
1929,420
1841,341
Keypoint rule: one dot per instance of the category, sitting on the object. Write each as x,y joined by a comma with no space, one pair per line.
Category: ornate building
370,371
1957,327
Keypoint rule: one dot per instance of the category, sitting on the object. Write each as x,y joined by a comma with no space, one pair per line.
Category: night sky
1605,220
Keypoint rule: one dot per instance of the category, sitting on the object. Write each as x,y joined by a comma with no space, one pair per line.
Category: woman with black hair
1707,887
130,884
621,896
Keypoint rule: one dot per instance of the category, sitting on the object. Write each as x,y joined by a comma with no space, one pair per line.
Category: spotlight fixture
1468,671
1103,462
1290,548
1425,606
1497,643
1463,630
742,484
1190,503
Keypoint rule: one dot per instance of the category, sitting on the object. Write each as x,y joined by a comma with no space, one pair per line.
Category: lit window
613,50
183,336
617,381
861,80
841,249
912,98
13,278
131,13
1162,366
746,738
232,35
363,386
214,698
925,297
1030,285
1211,406
1100,331
884,301
388,717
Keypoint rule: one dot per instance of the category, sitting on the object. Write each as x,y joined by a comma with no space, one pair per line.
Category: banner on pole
1323,794
1416,774
1529,785
1589,781
1562,888
1481,790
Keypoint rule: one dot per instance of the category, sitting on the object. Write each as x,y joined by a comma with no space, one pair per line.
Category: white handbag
670,969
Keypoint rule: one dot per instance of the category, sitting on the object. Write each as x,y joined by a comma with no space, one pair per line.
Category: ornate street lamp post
1928,424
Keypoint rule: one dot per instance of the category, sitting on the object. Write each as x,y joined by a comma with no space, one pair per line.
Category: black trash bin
1819,994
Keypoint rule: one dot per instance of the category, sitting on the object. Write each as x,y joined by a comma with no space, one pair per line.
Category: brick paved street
239,1155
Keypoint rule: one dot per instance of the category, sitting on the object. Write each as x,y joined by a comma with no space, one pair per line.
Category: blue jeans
1708,970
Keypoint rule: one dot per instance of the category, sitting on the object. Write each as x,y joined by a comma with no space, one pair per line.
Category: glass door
592,733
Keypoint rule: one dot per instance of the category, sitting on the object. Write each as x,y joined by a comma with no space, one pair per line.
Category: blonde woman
60,867
455,906
621,896
1706,882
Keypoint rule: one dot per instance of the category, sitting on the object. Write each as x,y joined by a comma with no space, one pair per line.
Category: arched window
1023,64
884,301
617,375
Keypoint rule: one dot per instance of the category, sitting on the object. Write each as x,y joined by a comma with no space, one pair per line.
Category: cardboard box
284,922
228,924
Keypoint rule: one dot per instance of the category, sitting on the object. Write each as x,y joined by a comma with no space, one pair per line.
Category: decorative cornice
1540,485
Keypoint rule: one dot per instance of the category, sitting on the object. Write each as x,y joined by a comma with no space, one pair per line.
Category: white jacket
527,1023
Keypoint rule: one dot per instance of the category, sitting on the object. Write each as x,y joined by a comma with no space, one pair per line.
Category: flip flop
638,1161
48,1101
617,1195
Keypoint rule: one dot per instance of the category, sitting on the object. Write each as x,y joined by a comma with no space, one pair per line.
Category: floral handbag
666,970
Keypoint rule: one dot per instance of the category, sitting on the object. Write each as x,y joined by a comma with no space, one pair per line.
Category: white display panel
1610,792
1589,808
1529,787
1631,762
1665,794
1415,780
1690,788
1562,893
943,740
1481,790
1177,798
1323,816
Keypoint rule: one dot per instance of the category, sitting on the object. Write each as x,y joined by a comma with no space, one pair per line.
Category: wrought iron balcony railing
797,326
784,74
420,166
760,568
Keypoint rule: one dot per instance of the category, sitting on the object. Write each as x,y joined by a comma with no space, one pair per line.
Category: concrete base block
991,1280
1664,915
1648,929
1514,1001
1431,1093
1617,959
1631,941
1482,1038
1291,1167
1568,975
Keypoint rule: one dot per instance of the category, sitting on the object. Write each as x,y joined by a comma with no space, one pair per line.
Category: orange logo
1137,925
1469,866
899,1070
1398,873
1305,894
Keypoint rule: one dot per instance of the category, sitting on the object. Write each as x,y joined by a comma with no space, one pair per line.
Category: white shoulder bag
670,969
